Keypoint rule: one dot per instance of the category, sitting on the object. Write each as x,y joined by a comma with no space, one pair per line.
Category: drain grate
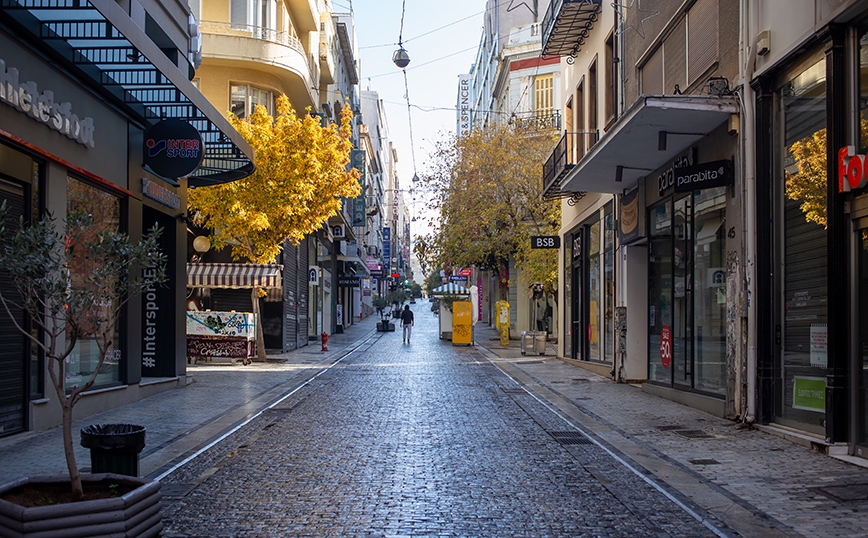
570,438
704,462
848,493
513,391
693,434
670,428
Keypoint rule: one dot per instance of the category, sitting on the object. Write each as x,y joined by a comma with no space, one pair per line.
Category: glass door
682,294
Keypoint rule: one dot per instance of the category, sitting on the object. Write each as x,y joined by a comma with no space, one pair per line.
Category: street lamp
401,58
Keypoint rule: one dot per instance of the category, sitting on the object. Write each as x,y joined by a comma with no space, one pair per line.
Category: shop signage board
703,176
40,106
348,282
173,148
313,276
545,241
465,107
631,225
457,278
387,249
809,394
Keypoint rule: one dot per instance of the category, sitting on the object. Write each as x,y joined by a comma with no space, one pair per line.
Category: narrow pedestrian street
424,439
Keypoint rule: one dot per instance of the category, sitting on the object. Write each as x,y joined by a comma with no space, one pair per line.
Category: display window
84,359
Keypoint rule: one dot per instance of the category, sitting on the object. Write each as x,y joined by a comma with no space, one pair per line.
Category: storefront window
568,294
801,364
106,211
659,291
709,290
862,265
595,303
609,284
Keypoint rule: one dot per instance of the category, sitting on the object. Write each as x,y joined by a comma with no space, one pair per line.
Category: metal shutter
13,349
290,296
675,67
303,292
701,38
652,74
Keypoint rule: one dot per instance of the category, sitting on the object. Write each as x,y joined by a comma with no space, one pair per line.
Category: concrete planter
136,514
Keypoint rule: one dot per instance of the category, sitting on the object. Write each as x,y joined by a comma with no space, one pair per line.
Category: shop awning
634,147
97,41
450,289
234,275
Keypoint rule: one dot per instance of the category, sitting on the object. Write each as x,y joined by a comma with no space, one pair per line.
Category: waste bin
114,448
539,342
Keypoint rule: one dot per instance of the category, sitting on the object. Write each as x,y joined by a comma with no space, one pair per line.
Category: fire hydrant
325,341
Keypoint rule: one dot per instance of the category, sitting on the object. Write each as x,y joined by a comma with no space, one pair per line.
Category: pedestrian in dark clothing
407,322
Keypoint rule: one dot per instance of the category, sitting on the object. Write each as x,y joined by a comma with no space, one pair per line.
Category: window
652,74
580,118
256,13
701,38
543,95
106,211
593,124
244,97
611,73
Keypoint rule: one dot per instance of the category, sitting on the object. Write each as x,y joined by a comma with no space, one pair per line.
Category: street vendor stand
227,337
448,294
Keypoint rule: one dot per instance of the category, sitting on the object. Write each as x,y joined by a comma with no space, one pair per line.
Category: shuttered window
543,95
652,74
701,38
238,14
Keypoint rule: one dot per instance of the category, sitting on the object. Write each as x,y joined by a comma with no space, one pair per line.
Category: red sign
665,346
851,169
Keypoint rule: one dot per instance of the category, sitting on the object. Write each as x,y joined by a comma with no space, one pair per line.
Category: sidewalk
757,483
177,421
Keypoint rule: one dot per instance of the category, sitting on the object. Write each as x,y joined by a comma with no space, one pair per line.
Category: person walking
407,322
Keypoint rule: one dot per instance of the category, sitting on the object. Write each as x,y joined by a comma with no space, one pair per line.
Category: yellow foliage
300,179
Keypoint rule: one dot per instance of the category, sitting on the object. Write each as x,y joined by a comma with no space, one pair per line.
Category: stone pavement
738,480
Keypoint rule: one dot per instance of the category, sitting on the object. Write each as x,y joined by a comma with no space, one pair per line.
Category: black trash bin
114,448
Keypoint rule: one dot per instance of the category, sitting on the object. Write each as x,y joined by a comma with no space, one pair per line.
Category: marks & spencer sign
173,148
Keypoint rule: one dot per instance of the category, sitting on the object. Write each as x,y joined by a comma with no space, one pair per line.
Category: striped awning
234,275
450,289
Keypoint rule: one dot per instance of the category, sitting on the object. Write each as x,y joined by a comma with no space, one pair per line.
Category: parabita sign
703,176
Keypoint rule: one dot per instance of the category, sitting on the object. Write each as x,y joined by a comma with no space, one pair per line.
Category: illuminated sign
173,148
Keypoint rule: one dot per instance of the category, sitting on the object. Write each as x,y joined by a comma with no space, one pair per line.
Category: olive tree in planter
72,284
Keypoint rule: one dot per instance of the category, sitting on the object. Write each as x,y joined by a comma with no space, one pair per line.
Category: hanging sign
703,176
173,148
545,241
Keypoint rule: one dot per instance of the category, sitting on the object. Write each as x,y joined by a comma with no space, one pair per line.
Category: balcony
253,32
566,25
538,122
566,154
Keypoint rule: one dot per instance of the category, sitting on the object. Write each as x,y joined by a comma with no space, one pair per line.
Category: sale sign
665,346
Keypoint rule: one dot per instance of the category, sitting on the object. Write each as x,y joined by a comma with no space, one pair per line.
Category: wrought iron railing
568,151
538,121
254,32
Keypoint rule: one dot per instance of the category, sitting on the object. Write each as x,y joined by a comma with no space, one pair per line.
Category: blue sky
432,86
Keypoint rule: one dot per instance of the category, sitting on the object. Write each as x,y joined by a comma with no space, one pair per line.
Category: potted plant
72,286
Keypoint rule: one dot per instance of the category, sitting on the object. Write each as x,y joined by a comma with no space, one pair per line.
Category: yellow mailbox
502,321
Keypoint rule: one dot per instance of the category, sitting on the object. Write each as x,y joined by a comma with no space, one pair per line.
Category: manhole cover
704,462
849,493
570,438
693,434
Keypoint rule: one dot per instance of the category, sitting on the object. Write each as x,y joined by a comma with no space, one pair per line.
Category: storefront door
860,366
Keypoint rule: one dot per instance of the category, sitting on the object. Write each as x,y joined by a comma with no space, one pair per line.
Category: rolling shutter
701,38
13,350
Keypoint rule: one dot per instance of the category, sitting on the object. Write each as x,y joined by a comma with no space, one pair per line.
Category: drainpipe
749,227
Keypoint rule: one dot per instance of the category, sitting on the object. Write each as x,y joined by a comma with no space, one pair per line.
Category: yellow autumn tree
488,189
300,179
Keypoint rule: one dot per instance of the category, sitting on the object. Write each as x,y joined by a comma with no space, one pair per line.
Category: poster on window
819,344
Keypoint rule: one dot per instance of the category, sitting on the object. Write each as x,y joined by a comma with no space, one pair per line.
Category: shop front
74,138
812,345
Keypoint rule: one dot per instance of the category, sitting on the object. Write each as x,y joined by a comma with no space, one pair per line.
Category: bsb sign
545,241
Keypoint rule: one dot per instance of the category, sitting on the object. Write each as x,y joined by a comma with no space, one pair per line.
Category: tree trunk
260,336
69,449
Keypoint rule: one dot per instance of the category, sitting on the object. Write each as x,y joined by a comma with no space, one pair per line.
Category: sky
453,30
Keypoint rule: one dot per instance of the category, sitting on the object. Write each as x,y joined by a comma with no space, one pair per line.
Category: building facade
74,110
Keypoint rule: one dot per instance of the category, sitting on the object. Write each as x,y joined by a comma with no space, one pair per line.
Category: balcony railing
254,32
538,121
566,25
566,154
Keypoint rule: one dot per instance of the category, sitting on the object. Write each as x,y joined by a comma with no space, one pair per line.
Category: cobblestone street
423,439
